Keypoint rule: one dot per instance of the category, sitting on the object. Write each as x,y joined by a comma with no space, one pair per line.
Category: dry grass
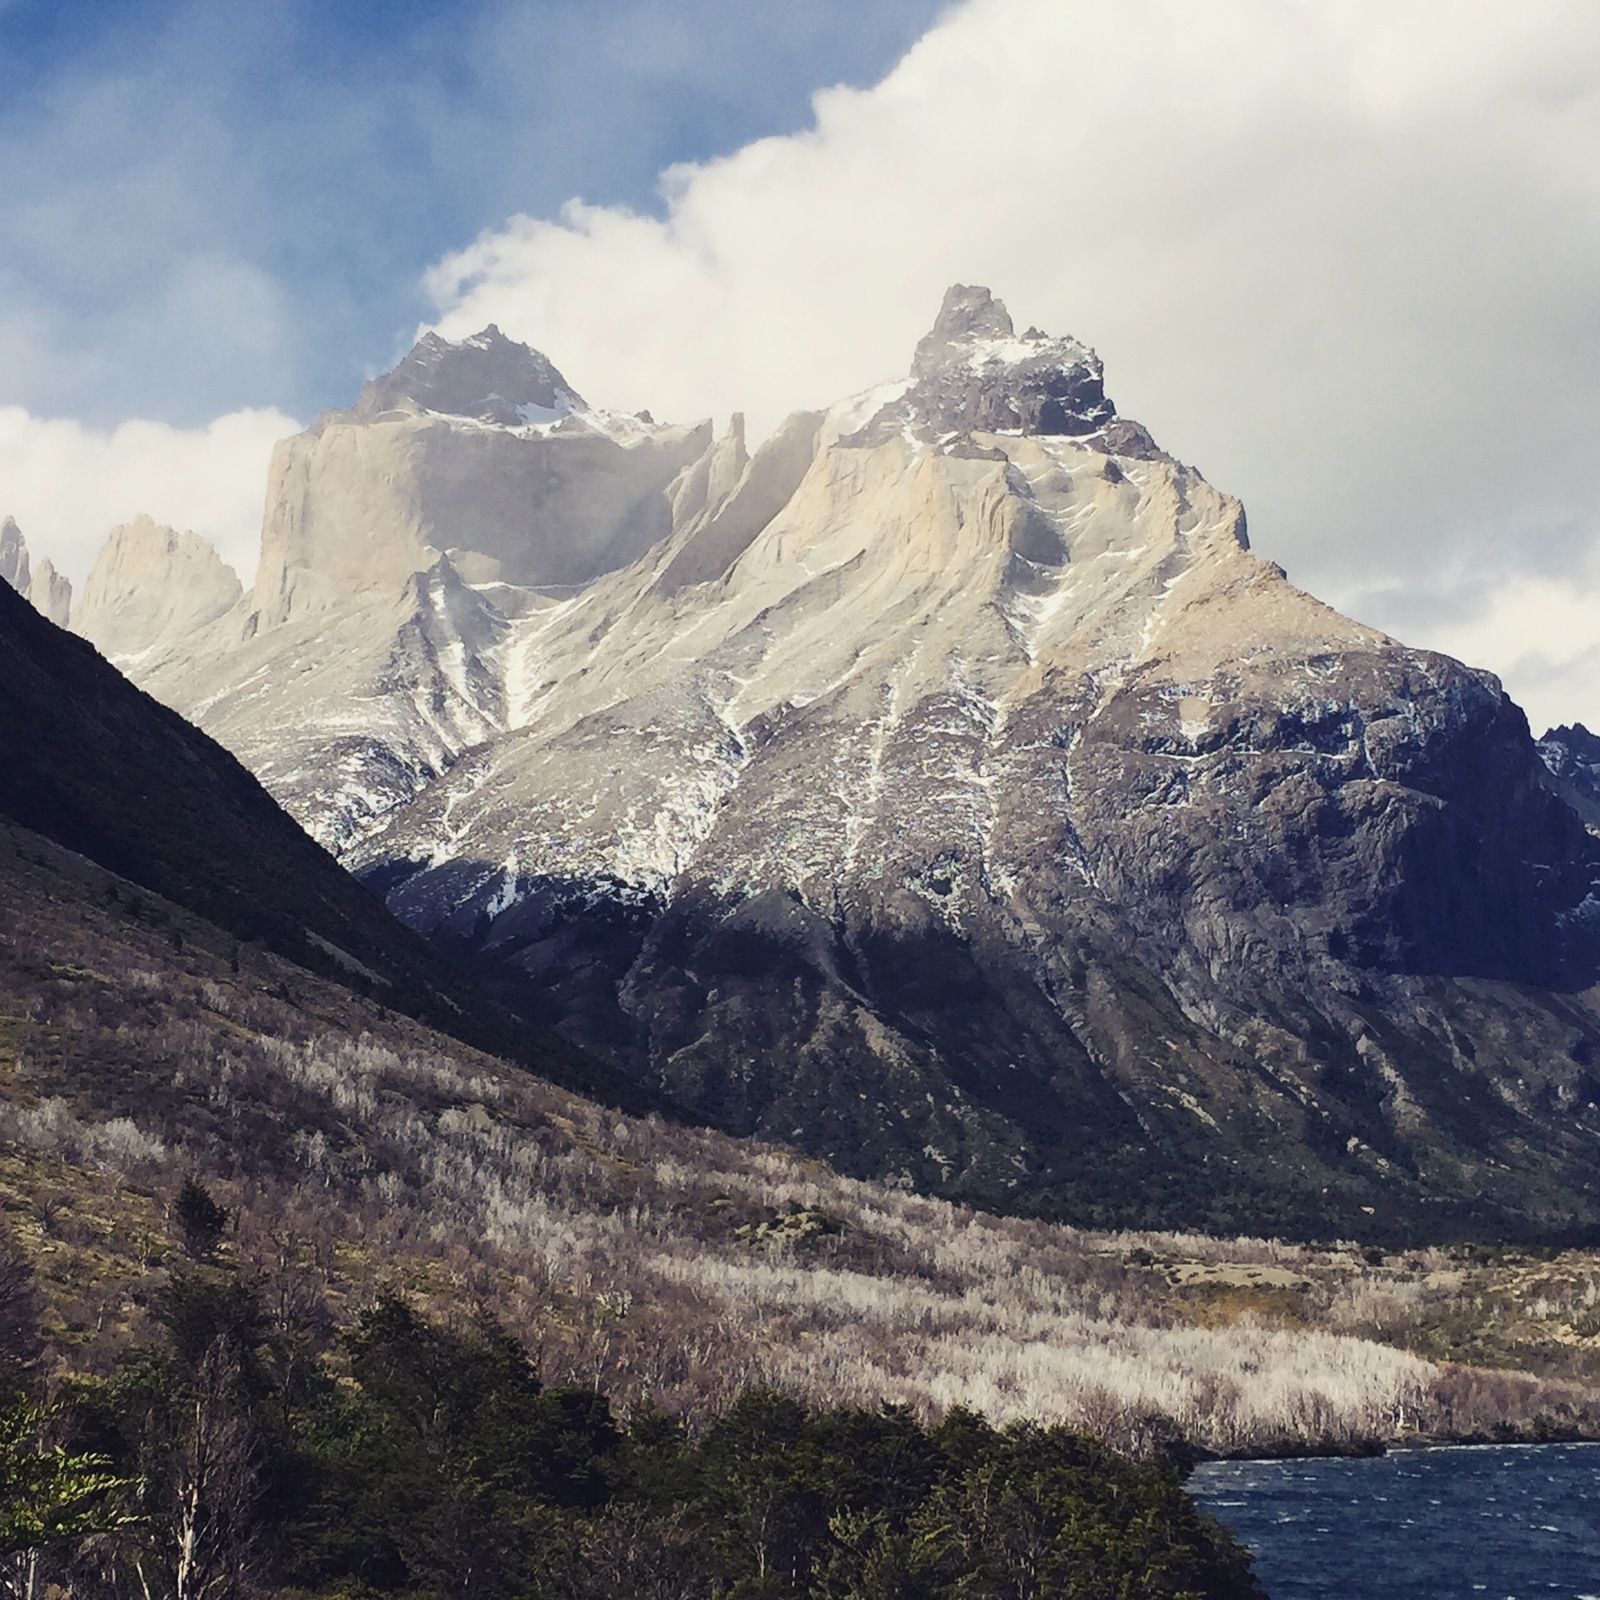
359,1152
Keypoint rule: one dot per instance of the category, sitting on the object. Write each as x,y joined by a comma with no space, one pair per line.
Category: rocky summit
49,591
944,788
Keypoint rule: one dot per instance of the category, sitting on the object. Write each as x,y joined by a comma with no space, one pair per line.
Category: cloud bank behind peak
68,485
1341,256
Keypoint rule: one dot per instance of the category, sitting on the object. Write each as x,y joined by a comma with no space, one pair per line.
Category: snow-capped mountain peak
487,377
974,373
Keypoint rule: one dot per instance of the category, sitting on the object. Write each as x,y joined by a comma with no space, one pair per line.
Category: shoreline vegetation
414,1458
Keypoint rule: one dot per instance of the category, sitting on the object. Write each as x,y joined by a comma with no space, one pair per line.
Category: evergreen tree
198,1220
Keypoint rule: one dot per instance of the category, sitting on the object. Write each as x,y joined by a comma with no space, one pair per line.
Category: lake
1506,1522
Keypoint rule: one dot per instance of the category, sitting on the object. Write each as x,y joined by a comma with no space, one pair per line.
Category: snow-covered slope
402,539
945,788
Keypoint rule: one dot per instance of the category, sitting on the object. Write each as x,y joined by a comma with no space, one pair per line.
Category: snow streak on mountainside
466,491
944,788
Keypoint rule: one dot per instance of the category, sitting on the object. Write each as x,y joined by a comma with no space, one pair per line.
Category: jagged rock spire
49,592
13,555
973,373
488,377
968,312
152,585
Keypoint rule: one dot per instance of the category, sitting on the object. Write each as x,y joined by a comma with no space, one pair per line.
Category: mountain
944,788
152,586
404,539
49,592
102,769
254,1217
1572,757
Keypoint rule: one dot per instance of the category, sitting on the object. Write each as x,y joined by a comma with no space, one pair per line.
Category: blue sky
206,206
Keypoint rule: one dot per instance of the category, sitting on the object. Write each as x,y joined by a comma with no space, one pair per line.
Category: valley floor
360,1155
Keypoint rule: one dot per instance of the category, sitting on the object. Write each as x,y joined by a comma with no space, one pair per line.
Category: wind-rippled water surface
1508,1522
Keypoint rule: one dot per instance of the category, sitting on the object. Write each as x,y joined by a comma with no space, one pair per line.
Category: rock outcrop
1571,756
51,593
153,589
48,590
972,372
947,789
14,567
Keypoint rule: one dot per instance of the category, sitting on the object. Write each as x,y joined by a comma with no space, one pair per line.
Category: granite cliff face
479,452
945,789
152,588
402,540
49,592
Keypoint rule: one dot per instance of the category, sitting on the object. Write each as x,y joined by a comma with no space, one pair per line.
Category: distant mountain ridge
1572,757
47,589
944,788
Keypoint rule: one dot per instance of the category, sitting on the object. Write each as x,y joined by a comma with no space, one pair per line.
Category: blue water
1480,1522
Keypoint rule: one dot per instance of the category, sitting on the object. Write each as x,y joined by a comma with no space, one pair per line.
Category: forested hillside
429,1460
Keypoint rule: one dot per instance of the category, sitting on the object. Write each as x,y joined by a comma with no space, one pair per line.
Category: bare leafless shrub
21,1339
1376,1307
651,1260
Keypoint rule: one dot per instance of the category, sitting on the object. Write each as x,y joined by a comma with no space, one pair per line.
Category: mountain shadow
99,767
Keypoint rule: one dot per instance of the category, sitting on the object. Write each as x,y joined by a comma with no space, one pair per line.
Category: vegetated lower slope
95,764
435,1463
943,787
360,1154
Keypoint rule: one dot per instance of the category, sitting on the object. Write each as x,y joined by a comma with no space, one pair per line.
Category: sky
1341,255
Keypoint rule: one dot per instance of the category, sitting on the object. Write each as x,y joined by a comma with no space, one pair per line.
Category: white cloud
1543,637
68,485
1342,254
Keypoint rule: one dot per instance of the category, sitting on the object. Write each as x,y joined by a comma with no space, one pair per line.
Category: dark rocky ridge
98,767
972,372
1572,757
